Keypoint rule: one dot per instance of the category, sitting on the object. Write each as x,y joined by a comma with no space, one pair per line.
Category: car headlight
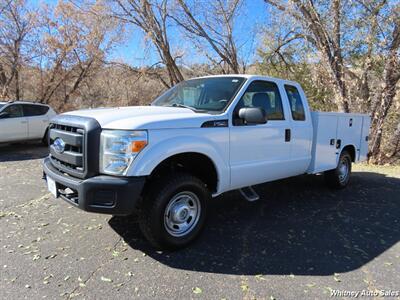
118,148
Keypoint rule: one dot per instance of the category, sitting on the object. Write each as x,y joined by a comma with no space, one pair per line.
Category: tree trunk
175,75
17,88
378,121
395,142
3,83
392,77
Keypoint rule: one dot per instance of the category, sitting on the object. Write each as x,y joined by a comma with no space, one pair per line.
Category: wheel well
352,151
197,164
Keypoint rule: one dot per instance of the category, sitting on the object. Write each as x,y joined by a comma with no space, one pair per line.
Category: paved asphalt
300,241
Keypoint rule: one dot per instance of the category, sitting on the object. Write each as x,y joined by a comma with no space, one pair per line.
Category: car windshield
1,105
211,94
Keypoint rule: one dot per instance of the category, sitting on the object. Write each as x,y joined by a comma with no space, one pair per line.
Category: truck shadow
297,227
23,151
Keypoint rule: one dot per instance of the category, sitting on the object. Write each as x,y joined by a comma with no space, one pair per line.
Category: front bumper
100,194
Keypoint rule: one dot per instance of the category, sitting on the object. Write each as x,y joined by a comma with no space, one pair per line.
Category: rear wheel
174,211
339,178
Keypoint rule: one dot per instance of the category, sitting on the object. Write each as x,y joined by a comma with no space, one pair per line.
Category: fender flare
341,150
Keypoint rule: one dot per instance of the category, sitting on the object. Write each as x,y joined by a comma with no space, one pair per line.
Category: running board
249,194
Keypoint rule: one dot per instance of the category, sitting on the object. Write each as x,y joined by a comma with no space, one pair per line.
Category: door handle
24,122
287,135
338,144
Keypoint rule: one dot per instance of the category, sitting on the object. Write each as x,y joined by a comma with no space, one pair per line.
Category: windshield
1,105
211,94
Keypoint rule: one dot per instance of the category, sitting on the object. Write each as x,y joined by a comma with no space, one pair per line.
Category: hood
145,117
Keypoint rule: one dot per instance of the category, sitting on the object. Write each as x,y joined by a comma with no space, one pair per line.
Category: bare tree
16,23
375,30
326,39
213,23
391,78
152,18
3,5
74,46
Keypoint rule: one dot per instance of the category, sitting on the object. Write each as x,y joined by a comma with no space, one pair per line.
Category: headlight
118,148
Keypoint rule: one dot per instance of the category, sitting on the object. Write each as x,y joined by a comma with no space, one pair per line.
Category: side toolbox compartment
366,123
323,153
349,132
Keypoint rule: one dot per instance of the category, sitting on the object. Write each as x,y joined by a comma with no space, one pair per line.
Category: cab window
13,111
295,102
263,94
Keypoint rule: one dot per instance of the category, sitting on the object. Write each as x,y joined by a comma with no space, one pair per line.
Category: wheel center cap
180,213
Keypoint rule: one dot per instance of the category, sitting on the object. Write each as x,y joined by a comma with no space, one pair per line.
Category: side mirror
4,115
253,115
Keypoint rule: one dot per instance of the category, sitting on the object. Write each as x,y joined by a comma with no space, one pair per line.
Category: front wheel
339,178
174,211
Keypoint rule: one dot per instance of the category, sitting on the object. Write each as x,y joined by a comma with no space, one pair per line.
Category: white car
24,121
201,138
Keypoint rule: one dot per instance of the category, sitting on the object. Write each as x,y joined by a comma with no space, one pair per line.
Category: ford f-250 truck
199,139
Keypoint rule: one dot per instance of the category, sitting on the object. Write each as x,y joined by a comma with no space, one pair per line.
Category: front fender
154,154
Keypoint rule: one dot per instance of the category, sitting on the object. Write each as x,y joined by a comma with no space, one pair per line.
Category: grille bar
70,138
69,157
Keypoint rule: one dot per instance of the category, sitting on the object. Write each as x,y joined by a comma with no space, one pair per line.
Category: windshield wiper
186,106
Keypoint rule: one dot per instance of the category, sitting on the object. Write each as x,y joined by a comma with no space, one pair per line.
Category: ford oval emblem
59,145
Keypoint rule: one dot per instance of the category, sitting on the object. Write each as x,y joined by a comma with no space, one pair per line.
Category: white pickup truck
199,139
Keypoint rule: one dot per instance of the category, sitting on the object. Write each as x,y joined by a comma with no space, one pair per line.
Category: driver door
14,126
259,153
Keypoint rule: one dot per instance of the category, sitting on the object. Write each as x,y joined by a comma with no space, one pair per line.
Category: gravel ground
301,240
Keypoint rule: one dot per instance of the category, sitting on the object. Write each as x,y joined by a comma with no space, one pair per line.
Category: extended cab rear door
301,127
